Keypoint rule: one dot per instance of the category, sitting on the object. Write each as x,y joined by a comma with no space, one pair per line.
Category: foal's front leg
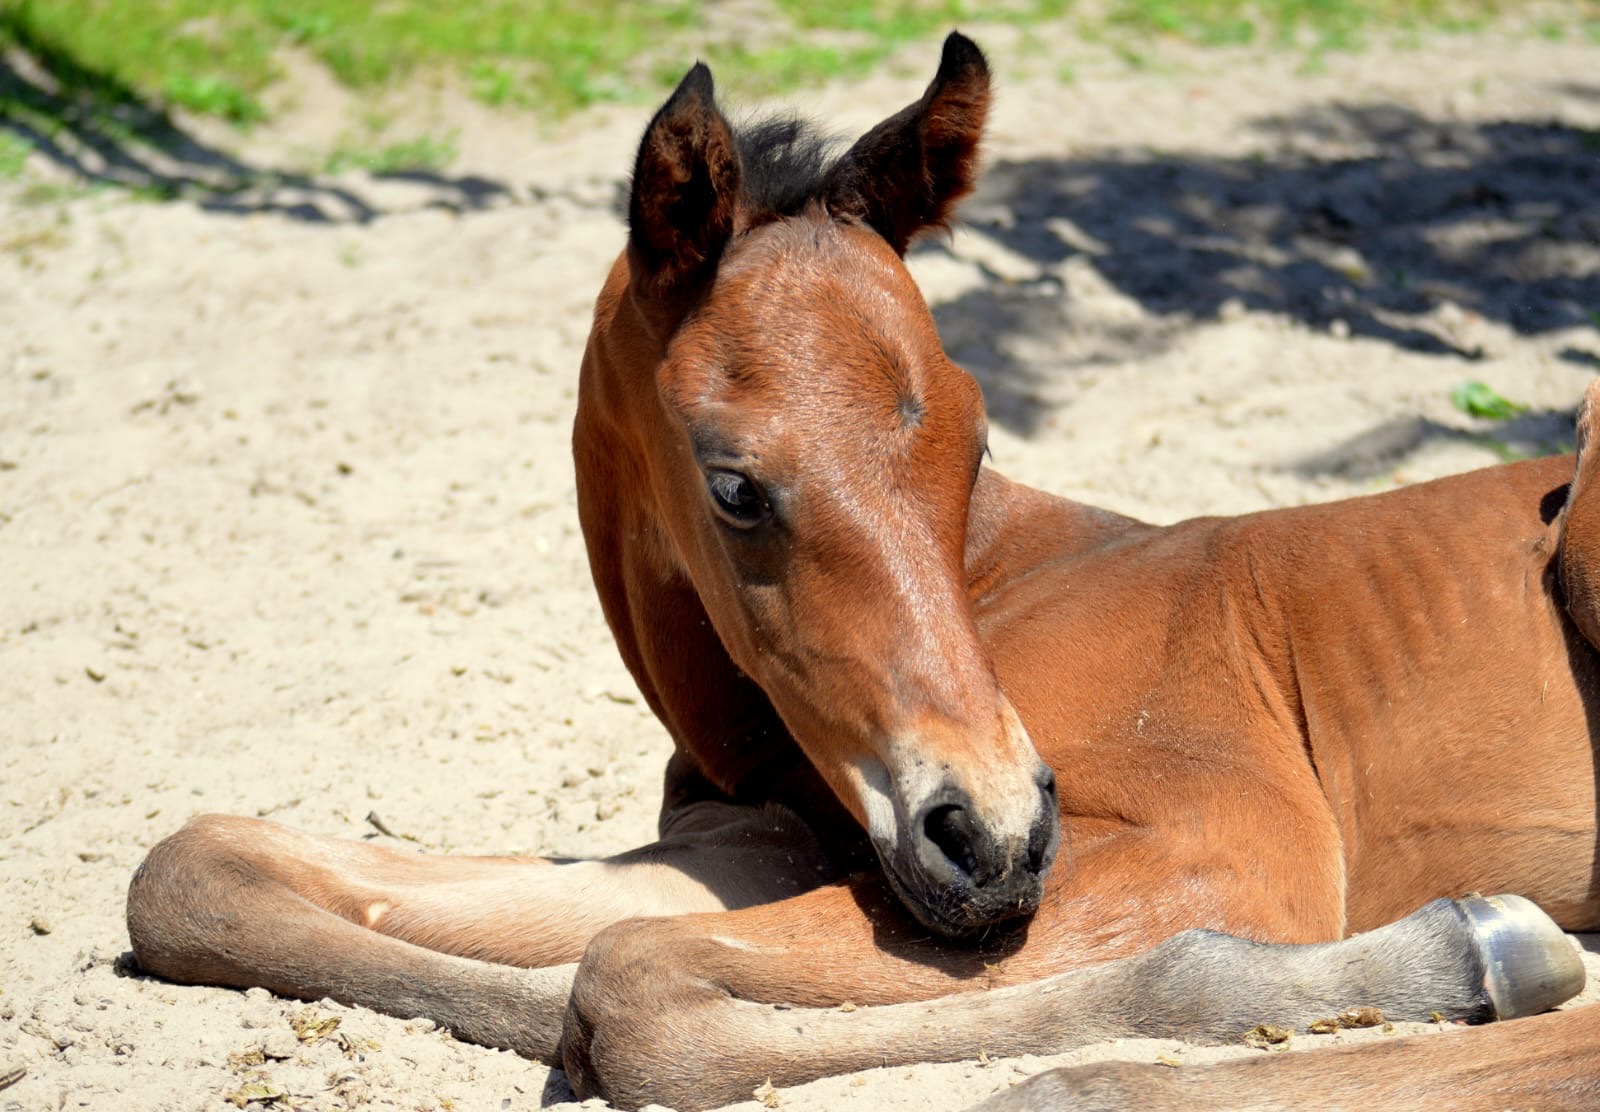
675,1012
483,945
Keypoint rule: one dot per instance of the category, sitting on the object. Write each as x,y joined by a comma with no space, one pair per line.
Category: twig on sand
383,828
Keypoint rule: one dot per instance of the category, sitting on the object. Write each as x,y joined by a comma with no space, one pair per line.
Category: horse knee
184,896
624,1037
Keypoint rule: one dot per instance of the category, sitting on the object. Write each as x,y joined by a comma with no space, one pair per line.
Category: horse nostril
950,828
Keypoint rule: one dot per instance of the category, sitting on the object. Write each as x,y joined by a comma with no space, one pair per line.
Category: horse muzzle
959,873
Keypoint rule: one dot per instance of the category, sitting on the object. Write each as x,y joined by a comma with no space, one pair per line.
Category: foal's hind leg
1578,539
244,903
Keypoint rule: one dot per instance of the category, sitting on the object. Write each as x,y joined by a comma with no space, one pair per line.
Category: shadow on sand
1501,220
102,132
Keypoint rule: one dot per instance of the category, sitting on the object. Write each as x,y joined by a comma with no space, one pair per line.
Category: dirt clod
1361,1017
1264,1035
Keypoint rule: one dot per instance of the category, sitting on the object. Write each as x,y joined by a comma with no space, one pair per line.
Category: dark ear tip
960,54
696,83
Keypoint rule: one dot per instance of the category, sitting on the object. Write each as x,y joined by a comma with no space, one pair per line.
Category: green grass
843,38
118,53
1478,399
902,20
1316,24
14,151
221,57
213,95
421,153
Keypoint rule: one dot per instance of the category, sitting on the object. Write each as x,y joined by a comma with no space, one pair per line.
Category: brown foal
966,754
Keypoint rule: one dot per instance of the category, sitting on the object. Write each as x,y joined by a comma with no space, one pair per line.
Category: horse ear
685,188
905,176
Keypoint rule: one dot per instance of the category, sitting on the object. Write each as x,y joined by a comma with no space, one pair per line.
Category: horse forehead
814,330
811,274
807,311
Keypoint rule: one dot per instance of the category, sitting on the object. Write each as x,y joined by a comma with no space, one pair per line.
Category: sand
286,500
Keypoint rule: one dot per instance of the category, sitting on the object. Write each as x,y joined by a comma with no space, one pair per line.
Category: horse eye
738,498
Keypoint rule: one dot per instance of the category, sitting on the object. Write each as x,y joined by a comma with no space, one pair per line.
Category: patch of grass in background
214,96
220,56
424,153
842,38
1316,24
14,151
110,53
1479,399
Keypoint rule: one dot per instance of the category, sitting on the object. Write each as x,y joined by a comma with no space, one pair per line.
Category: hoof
1529,964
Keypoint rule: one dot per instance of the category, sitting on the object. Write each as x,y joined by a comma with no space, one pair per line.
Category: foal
947,746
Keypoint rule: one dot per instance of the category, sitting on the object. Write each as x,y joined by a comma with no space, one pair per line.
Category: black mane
785,161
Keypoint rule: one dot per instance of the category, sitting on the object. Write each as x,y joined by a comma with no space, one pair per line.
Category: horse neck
1013,528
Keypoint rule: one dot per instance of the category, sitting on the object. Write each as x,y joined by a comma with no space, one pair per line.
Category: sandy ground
286,503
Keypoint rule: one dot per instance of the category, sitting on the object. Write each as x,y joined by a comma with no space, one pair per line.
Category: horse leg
1578,528
482,945
1548,1061
696,1008
696,1011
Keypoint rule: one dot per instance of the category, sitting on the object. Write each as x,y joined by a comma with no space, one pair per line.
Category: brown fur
1289,726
